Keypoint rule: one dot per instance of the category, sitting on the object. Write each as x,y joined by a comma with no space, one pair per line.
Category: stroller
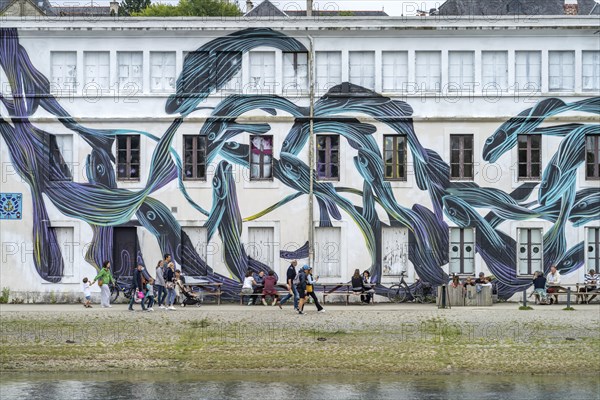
190,298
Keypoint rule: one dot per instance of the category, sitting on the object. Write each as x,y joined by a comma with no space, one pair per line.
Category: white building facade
348,143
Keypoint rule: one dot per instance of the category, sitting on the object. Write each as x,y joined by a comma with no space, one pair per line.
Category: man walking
137,286
301,280
159,284
291,274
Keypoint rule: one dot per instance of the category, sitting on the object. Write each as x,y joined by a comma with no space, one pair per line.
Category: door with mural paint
125,249
394,252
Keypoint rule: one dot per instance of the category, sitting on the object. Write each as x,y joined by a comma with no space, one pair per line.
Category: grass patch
568,309
525,308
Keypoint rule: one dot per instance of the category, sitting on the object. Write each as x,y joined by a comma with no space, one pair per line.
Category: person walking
159,284
138,287
104,279
301,282
310,290
292,291
170,284
150,294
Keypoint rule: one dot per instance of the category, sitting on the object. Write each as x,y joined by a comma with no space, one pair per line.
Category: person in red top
269,288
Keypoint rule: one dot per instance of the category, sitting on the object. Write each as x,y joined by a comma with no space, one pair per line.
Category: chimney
309,8
114,8
571,7
249,6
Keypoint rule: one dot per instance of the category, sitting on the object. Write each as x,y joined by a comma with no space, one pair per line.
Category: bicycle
121,285
421,292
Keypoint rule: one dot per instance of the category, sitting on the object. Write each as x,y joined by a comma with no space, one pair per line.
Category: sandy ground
413,338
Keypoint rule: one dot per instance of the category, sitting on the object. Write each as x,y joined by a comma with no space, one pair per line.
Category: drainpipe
311,155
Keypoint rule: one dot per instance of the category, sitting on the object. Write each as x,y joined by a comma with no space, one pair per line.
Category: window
261,245
591,70
494,70
462,251
295,72
592,157
128,157
362,69
561,72
261,157
328,157
162,71
530,251
395,71
461,70
194,153
461,157
528,70
262,71
593,249
530,156
428,70
327,252
97,71
394,157
61,157
130,71
64,71
228,62
328,70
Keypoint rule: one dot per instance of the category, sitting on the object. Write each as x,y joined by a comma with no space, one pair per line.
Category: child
150,294
87,293
539,286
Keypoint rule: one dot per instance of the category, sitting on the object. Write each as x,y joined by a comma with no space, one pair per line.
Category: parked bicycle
421,292
122,285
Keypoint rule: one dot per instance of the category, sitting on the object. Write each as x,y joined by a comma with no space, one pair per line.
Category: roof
95,11
268,9
513,7
43,5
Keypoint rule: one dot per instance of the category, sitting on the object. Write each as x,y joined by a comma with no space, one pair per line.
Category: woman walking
104,278
170,283
159,284
310,290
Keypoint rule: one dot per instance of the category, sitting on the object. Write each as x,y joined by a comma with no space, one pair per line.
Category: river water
174,385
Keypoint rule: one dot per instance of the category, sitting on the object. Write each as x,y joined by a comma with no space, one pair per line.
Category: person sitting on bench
539,286
591,280
248,286
553,283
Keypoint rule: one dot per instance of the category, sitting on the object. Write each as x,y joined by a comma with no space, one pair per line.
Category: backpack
296,280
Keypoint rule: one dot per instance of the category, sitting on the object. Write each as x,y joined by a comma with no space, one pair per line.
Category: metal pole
524,297
568,297
311,161
443,302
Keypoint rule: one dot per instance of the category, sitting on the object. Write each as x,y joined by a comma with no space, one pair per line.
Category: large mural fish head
458,211
220,182
551,186
369,165
500,141
585,210
291,166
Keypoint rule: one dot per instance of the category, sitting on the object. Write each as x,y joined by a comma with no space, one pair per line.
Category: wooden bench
347,293
459,297
242,295
206,289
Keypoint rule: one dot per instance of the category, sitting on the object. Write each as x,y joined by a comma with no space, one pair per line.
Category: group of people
479,283
145,290
362,284
550,284
299,284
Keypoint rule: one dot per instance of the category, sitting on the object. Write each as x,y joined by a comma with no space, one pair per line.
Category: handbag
170,285
100,282
309,288
140,295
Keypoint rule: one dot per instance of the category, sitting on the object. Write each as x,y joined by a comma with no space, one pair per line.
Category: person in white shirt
87,293
553,283
248,286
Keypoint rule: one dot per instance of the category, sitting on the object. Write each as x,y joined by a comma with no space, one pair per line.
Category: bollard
568,297
444,294
524,297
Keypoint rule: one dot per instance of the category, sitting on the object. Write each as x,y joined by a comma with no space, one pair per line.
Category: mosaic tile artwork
10,206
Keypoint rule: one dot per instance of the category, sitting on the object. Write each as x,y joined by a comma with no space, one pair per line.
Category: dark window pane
468,170
535,170
468,142
389,171
468,156
388,143
535,141
454,143
335,141
455,170
334,171
523,170
535,155
522,155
